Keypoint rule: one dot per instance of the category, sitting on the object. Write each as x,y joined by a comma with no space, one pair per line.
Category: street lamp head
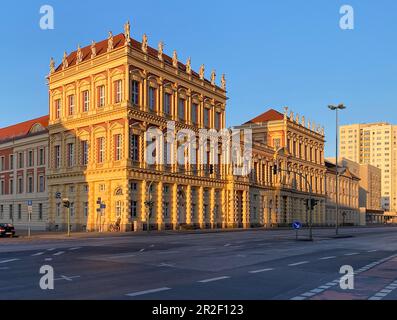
338,107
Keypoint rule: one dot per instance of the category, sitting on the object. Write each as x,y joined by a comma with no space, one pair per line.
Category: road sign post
30,210
66,204
296,226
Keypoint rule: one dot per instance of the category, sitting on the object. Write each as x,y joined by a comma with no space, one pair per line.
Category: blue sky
275,53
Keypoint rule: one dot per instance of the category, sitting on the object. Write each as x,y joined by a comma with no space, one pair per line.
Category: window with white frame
84,152
135,92
118,147
134,145
85,209
71,104
101,96
181,109
41,156
57,156
118,90
86,101
101,149
30,184
70,154
57,108
167,103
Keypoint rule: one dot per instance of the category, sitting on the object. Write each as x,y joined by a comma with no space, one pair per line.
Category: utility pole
336,109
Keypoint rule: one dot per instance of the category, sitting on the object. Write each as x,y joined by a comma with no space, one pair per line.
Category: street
253,264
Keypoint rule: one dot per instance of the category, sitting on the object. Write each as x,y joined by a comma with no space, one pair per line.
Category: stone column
159,207
189,204
174,211
200,198
245,205
212,208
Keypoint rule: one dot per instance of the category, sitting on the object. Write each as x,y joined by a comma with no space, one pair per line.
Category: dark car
7,230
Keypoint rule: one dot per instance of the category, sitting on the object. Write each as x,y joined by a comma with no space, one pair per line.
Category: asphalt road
253,264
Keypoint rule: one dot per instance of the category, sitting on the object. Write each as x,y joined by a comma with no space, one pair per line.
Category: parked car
7,230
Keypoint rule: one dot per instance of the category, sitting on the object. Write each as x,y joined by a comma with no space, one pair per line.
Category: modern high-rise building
374,144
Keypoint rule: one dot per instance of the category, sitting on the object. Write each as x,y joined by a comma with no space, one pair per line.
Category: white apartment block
374,144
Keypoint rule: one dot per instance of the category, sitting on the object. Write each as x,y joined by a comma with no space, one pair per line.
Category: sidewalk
319,232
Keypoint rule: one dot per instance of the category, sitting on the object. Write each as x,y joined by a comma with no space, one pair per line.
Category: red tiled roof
270,115
118,42
22,129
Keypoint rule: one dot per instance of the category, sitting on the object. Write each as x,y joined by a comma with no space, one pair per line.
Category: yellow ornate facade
103,100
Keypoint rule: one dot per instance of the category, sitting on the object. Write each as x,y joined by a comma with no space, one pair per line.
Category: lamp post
336,109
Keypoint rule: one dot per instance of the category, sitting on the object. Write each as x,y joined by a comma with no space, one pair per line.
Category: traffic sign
58,195
30,203
297,225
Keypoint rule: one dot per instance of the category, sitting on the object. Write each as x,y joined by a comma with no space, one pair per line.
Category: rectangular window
167,103
40,211
20,185
101,96
85,209
135,92
101,149
41,184
30,184
218,124
19,211
58,109
2,163
71,104
194,113
20,160
58,209
1,211
30,159
152,98
70,154
166,209
11,190
206,117
11,162
134,209
2,187
134,147
57,156
84,151
181,109
118,147
41,157
72,209
11,212
86,101
118,91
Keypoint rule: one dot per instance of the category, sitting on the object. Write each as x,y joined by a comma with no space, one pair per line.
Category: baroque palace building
104,98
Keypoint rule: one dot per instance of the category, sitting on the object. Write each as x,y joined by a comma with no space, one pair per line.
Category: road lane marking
370,251
351,254
167,265
298,298
9,260
327,258
298,263
124,256
167,252
227,245
37,254
52,249
74,249
141,250
141,293
206,249
4,268
213,279
59,253
261,270
48,259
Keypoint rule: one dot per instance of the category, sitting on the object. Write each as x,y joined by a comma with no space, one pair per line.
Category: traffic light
313,203
66,203
276,169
